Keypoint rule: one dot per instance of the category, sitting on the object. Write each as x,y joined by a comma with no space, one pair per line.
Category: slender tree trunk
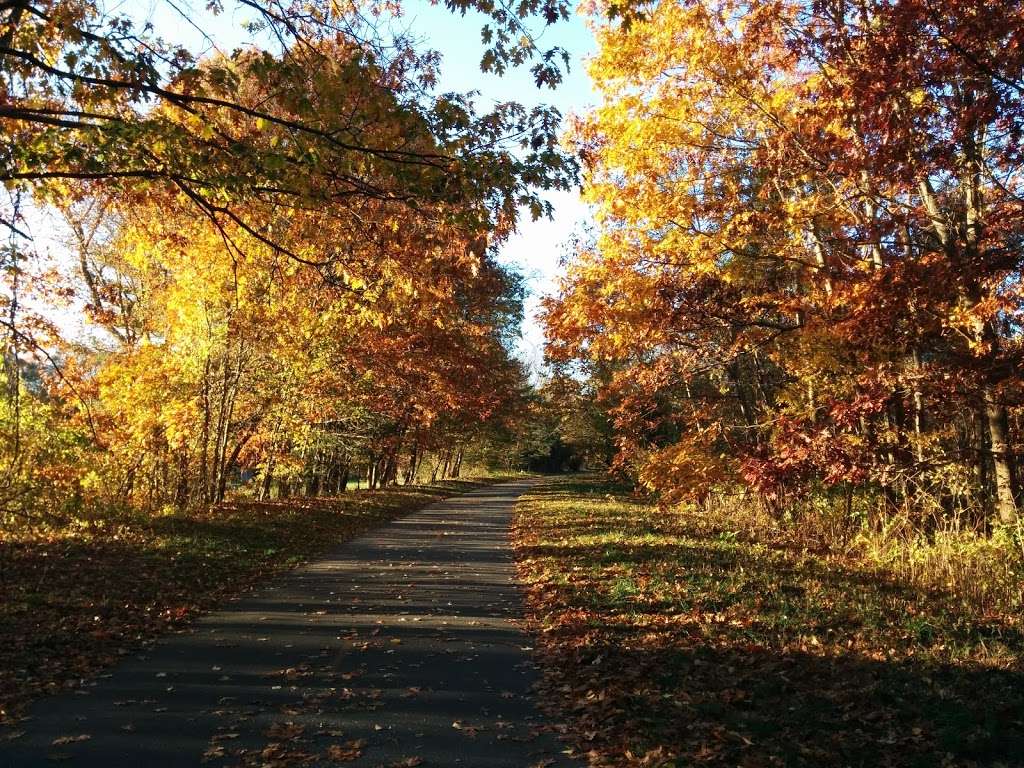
182,490
232,382
372,473
204,452
919,414
343,478
229,463
390,470
1004,469
268,478
219,431
746,408
312,484
410,472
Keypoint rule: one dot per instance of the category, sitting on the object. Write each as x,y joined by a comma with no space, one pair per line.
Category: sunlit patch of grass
668,636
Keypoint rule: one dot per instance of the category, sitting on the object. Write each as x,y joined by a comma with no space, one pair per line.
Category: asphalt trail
400,647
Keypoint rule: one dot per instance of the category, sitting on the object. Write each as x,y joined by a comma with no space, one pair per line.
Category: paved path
400,647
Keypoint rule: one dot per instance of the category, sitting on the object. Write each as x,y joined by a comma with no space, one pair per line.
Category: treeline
268,272
805,284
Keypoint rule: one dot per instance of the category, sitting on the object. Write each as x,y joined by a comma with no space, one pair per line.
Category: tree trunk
268,478
1004,469
181,492
204,453
229,463
224,413
410,472
919,414
390,473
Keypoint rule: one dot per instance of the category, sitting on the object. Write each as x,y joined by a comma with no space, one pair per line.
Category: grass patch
667,639
74,600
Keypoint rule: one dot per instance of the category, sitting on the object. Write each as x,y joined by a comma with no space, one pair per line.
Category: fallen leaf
347,752
61,740
285,731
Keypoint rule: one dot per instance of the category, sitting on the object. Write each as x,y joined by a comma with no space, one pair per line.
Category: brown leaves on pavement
67,608
351,750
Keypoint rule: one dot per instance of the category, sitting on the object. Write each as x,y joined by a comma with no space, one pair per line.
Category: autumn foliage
280,262
806,274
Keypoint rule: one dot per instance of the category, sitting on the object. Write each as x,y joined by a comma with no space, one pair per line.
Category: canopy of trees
807,269
284,255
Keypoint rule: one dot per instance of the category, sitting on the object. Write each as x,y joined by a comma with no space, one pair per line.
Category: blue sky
538,246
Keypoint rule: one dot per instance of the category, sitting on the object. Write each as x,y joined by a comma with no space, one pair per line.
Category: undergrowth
982,569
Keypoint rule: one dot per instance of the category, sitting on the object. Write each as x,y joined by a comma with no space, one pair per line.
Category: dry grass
983,570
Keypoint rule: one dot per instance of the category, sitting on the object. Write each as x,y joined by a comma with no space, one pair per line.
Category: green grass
668,639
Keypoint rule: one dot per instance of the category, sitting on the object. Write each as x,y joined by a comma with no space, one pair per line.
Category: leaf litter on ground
664,642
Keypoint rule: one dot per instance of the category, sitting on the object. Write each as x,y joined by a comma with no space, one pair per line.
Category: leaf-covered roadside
665,640
73,601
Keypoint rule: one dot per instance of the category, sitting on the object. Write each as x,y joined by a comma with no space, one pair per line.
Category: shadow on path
400,647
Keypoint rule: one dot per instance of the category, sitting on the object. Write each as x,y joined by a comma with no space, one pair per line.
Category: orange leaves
687,469
223,356
790,204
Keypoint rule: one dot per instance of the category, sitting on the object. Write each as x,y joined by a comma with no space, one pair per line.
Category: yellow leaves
968,321
839,128
687,468
917,97
353,282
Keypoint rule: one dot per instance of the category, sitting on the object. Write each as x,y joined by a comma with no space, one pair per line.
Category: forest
256,301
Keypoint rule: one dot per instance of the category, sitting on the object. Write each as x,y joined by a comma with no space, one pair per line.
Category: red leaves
802,207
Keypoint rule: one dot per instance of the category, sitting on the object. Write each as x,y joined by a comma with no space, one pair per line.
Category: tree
809,231
337,302
92,96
